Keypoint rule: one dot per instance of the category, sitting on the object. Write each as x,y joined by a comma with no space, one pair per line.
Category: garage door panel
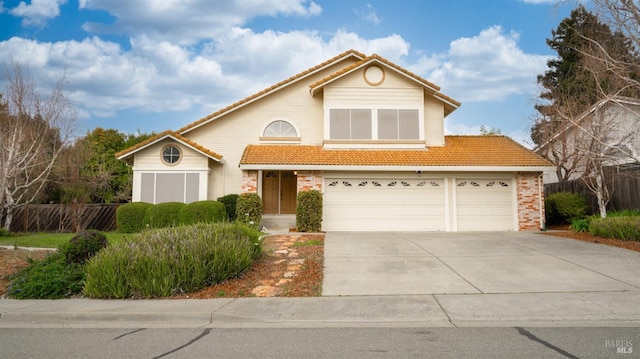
484,204
393,204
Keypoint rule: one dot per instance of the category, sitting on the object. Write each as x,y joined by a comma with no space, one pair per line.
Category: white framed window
350,124
398,124
375,124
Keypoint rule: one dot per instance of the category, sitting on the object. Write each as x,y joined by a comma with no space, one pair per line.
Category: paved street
321,343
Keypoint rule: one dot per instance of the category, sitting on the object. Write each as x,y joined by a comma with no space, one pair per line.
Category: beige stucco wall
230,135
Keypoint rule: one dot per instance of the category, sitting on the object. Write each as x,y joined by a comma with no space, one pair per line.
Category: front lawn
52,240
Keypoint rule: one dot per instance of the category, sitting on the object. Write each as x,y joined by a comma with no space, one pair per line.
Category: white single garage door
484,204
393,204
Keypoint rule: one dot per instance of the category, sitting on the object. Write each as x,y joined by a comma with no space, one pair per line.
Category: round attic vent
374,75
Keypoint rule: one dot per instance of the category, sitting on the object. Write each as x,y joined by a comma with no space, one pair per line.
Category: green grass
313,242
52,240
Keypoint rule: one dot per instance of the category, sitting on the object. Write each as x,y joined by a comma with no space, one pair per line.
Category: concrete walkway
401,280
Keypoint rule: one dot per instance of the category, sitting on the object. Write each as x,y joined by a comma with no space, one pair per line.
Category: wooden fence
626,192
64,217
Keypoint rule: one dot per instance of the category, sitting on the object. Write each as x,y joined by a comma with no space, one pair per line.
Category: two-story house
366,133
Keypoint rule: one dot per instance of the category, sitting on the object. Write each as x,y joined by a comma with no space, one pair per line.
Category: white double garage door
419,204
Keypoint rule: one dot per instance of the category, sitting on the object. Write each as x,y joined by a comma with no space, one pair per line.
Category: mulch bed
564,231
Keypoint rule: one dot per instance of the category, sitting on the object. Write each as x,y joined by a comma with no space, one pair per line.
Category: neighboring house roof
375,58
347,54
127,153
460,152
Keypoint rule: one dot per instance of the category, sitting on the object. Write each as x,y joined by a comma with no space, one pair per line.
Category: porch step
278,222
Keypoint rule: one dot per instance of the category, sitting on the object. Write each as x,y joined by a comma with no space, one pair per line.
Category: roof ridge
143,143
271,88
396,67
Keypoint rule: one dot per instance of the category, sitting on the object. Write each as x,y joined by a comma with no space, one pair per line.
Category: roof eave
404,168
125,157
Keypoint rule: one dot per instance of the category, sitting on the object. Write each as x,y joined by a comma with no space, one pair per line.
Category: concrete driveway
395,263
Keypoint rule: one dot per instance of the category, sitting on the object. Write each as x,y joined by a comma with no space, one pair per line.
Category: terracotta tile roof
162,136
271,88
495,151
316,86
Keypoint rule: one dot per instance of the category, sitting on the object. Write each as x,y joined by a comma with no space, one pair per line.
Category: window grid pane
388,124
360,124
339,124
408,125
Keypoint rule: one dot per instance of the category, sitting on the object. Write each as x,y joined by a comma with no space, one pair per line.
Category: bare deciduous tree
585,141
34,127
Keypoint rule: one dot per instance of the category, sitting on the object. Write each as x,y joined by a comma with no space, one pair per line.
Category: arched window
280,129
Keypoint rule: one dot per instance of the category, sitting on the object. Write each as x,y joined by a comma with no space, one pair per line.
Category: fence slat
64,217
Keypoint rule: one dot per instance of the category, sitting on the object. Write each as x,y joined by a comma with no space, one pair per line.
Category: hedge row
134,217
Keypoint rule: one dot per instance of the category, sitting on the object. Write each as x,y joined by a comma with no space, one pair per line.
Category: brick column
530,201
308,180
249,181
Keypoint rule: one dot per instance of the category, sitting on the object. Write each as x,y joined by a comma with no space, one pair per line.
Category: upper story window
171,155
348,124
398,125
374,124
280,129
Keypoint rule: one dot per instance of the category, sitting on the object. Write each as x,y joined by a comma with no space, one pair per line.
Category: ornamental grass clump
167,261
619,227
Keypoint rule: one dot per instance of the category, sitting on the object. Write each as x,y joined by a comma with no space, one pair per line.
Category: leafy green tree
89,171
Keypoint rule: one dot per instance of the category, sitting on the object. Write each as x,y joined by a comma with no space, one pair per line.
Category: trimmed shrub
309,211
230,202
83,246
164,215
249,209
167,261
130,217
202,212
50,278
564,207
619,227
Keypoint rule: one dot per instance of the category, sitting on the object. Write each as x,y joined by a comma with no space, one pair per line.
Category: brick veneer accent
308,180
249,181
530,201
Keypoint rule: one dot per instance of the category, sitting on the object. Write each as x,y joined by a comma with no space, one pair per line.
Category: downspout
543,225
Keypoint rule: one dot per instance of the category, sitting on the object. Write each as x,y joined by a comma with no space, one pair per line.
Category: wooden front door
279,190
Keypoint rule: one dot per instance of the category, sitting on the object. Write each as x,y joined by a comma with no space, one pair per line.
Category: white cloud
187,22
369,15
38,12
486,67
160,76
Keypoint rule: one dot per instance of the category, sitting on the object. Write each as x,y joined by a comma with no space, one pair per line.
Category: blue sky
152,65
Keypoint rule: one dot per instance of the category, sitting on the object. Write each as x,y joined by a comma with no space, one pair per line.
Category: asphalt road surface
322,343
